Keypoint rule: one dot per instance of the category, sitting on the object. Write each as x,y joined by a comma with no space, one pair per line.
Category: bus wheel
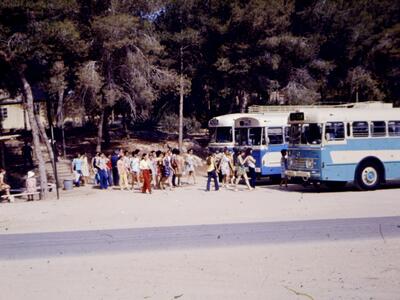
368,177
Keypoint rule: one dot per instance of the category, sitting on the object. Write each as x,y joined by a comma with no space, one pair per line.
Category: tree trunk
60,118
45,140
35,134
100,132
244,101
180,143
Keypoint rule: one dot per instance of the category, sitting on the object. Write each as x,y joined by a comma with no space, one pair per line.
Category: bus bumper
302,174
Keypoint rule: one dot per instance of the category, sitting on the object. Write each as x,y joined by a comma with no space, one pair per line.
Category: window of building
334,131
394,128
378,128
3,113
360,129
275,135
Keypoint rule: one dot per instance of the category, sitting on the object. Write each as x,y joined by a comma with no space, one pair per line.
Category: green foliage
232,53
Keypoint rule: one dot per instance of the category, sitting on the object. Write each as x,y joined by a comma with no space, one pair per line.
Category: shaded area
30,245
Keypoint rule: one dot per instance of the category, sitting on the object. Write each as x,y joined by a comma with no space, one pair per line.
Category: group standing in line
146,171
230,168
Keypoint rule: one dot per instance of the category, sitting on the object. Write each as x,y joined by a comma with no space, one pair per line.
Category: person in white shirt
122,172
251,164
102,165
134,168
145,169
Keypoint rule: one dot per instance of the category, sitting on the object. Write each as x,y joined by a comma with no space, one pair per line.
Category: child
284,179
30,184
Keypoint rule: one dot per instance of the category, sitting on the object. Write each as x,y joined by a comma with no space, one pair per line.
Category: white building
13,116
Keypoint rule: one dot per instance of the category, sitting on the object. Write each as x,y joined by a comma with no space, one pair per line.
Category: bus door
257,142
271,158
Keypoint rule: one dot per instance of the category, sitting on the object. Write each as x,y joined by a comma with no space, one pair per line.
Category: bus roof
262,120
229,119
290,108
314,115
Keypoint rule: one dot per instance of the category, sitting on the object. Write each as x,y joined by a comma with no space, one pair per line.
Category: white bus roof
290,108
262,120
229,119
349,115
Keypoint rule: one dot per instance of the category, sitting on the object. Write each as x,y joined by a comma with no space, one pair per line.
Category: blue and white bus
266,134
340,145
222,129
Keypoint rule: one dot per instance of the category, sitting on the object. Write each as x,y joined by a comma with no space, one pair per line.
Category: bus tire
368,176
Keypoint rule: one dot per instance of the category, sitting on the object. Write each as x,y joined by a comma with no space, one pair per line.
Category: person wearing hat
30,184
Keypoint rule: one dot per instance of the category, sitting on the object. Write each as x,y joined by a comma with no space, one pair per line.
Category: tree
42,34
126,55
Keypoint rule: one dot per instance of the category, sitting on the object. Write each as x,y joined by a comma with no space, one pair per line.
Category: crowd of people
159,170
136,170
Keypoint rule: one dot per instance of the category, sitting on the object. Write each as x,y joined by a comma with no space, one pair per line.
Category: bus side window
348,129
360,129
275,135
378,128
334,131
394,128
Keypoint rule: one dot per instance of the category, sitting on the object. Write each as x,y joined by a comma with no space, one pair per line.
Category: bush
170,123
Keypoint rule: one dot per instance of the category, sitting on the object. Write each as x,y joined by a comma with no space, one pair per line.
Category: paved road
31,245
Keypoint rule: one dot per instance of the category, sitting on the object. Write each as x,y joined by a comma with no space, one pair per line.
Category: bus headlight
309,163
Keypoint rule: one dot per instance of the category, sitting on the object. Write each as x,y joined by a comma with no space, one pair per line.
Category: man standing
27,154
211,172
114,161
122,172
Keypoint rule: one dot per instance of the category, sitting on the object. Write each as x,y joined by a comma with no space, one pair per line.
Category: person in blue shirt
114,161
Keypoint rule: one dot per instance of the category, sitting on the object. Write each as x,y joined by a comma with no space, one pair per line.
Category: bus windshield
221,135
250,136
305,134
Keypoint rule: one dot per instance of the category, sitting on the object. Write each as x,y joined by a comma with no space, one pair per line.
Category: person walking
190,163
102,165
135,168
224,167
241,170
211,172
179,167
250,161
77,169
145,170
122,172
110,178
168,170
114,161
30,185
284,179
153,168
95,168
85,169
161,170
174,165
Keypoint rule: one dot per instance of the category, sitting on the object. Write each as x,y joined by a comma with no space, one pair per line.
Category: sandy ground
341,270
352,269
89,208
